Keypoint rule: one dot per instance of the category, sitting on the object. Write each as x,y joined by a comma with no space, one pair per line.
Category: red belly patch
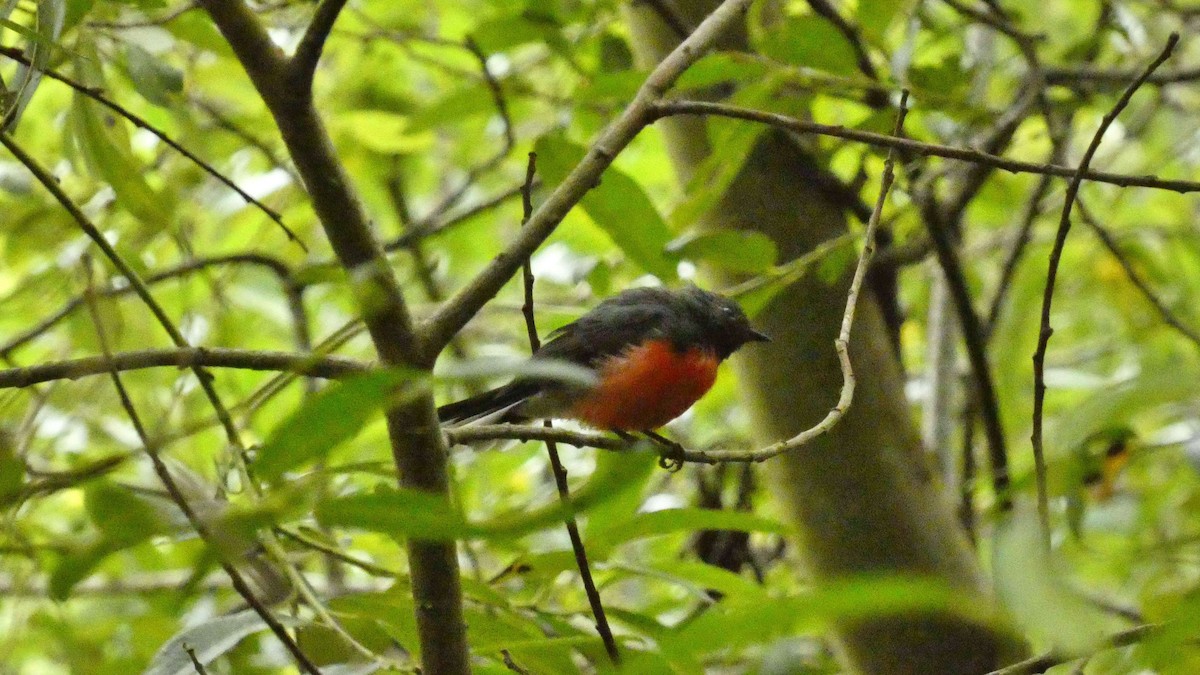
646,387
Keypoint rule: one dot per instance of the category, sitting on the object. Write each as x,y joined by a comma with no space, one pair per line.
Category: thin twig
196,664
316,545
313,365
96,95
496,91
703,108
1060,240
556,465
435,224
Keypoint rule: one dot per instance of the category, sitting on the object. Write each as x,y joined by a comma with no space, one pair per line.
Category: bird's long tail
494,406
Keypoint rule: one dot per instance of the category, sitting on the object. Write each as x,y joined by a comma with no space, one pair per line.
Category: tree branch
418,447
454,314
1060,241
303,65
685,107
328,367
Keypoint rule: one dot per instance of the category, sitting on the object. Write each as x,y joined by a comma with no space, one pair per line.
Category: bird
654,352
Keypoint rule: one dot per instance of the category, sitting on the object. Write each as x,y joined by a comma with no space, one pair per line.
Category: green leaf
382,132
155,79
757,620
107,151
422,515
208,641
75,565
195,28
455,107
876,16
732,141
618,205
327,420
757,293
507,32
27,33
392,610
122,515
76,10
1044,605
734,250
123,519
399,513
721,68
946,78
667,521
812,42
44,41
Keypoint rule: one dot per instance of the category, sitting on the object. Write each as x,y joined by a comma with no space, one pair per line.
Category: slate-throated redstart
654,351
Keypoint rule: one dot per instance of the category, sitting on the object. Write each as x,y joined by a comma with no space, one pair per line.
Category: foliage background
98,571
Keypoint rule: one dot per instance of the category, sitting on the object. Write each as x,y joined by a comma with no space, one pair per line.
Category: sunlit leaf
328,419
383,132
155,79
734,250
1039,597
810,41
422,515
684,520
618,205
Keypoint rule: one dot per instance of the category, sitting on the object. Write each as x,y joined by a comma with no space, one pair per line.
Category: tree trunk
863,497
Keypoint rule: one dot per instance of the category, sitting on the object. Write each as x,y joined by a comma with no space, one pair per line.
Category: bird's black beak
755,336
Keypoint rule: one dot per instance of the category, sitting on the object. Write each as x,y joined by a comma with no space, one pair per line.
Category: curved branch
329,367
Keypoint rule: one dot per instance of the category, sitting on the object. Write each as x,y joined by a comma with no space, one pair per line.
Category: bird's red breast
646,386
